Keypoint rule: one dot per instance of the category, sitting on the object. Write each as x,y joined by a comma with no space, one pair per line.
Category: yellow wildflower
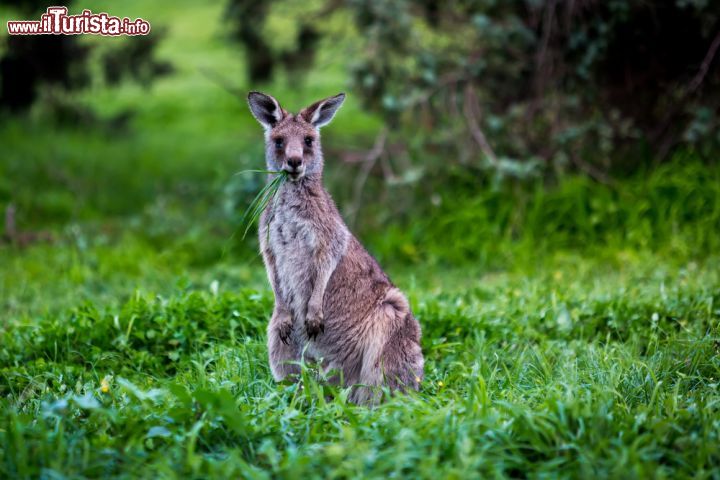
105,385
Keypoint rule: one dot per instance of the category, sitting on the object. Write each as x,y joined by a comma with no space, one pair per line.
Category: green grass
267,193
605,367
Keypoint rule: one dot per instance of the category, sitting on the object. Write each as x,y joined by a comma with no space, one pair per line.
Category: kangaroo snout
295,162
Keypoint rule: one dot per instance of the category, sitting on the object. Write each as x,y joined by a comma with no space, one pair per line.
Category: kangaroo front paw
314,322
284,331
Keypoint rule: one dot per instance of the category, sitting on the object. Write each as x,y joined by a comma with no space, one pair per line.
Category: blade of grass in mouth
262,199
270,172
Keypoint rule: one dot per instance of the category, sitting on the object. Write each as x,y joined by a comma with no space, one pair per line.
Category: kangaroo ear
320,113
265,109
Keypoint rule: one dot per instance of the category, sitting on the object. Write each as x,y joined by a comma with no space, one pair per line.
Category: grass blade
262,199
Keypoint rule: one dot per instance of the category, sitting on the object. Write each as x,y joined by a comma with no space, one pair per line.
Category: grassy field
574,367
570,329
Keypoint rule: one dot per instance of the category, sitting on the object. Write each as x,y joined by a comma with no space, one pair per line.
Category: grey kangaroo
333,302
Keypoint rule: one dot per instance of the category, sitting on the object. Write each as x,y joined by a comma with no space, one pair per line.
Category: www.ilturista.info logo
57,22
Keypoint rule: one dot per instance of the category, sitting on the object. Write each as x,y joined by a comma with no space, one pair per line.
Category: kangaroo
333,302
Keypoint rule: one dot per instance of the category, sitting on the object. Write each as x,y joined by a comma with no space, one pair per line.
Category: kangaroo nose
294,162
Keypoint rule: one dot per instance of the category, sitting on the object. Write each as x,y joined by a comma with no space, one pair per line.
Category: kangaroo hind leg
282,348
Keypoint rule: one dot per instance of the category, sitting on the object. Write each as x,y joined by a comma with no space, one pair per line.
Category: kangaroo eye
279,142
308,141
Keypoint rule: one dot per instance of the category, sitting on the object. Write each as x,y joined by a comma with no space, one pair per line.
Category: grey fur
332,300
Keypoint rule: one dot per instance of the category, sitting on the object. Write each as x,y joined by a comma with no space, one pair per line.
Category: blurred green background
541,178
471,128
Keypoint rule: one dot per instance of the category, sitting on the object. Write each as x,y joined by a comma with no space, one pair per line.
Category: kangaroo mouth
295,175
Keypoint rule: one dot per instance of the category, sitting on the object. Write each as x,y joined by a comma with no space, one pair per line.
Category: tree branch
472,115
368,163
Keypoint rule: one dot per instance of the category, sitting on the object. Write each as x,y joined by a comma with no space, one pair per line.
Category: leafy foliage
558,85
529,88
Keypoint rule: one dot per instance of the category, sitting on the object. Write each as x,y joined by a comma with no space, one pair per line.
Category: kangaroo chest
292,240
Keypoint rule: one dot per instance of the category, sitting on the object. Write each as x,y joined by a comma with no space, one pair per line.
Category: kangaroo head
292,142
